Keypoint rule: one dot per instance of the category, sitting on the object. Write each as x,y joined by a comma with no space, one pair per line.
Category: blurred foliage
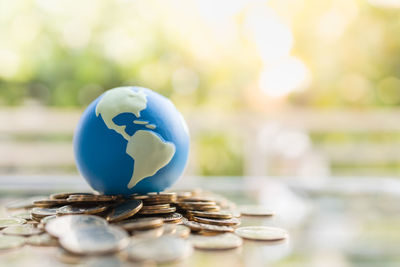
227,56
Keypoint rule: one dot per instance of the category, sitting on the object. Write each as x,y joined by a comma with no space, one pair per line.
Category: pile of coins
158,227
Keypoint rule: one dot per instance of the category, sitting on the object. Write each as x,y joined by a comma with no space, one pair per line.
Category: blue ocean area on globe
131,140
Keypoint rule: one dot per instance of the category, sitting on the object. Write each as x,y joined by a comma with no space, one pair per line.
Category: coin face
263,233
196,226
217,242
6,222
176,230
211,215
80,209
95,240
64,224
141,223
124,210
22,230
227,222
254,210
10,242
164,249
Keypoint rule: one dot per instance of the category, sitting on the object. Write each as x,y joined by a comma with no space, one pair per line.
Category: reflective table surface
338,221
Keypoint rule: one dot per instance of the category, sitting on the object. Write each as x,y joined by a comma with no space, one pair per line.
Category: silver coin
216,242
38,213
6,222
80,209
263,233
95,240
22,230
64,224
254,210
9,242
164,249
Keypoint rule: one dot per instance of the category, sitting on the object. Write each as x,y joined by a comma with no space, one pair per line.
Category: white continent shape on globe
149,151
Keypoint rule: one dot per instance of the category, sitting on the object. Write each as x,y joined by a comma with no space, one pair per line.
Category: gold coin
141,223
10,242
6,222
219,242
38,213
165,249
95,240
80,209
195,204
160,211
212,215
199,199
254,210
176,230
65,195
196,226
227,222
124,210
23,203
47,203
42,240
22,230
263,233
156,207
64,224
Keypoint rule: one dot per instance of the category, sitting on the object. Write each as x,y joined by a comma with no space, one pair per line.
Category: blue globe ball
131,140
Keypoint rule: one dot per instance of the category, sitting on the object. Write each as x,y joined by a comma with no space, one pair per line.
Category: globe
131,140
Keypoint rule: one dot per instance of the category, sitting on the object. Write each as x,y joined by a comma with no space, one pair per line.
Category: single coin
156,207
43,240
227,222
10,242
212,215
95,240
141,223
80,209
176,230
124,210
254,210
219,242
47,203
6,222
63,225
165,249
65,195
23,203
23,230
263,233
196,226
160,211
38,213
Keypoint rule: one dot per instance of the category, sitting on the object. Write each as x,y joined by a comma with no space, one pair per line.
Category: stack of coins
139,226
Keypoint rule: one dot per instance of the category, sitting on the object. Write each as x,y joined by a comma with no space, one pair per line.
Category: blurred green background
279,87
